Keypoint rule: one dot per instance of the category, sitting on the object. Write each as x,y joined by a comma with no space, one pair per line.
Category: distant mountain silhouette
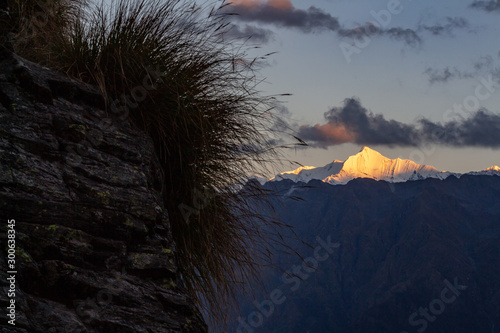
415,256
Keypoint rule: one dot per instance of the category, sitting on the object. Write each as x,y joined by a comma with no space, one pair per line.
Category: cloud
447,74
489,6
408,36
282,13
254,34
368,30
484,62
329,134
451,24
481,129
354,123
281,118
281,125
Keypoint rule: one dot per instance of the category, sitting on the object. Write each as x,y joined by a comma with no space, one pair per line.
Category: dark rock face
94,251
421,256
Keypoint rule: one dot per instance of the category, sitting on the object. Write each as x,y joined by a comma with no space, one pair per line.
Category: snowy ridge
491,171
306,174
368,163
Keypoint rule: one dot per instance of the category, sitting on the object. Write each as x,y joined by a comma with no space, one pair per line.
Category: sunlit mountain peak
368,163
493,168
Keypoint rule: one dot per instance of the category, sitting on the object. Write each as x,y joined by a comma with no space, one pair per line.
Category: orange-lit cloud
281,4
330,134
248,4
283,13
251,4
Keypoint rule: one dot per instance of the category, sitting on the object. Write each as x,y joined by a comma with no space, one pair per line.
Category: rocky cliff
94,252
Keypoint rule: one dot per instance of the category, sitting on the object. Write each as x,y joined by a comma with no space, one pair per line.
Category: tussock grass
206,116
34,22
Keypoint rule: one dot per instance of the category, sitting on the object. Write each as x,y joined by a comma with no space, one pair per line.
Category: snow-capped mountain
491,171
368,163
308,173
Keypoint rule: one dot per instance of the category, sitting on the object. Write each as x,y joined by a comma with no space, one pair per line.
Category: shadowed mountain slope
399,248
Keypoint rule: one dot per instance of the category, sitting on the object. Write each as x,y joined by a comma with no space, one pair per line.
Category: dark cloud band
489,6
447,27
354,123
255,34
282,13
447,74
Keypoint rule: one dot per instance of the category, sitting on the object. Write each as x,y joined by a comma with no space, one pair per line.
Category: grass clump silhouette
34,22
209,123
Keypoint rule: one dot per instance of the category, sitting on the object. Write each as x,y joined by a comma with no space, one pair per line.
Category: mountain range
399,248
369,163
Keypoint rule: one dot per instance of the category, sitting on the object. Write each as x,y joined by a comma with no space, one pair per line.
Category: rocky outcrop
94,252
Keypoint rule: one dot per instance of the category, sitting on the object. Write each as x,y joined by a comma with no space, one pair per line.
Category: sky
410,79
